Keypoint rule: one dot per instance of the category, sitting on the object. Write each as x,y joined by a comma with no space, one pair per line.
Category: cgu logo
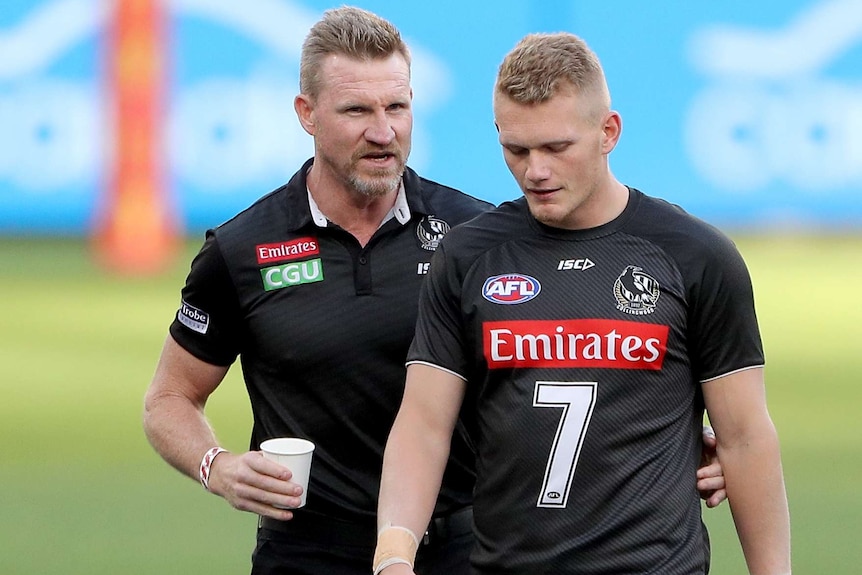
510,289
292,274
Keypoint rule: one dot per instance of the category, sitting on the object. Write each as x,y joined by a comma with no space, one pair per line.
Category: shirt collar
400,210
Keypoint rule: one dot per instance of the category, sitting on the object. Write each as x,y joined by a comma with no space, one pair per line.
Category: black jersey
322,326
583,353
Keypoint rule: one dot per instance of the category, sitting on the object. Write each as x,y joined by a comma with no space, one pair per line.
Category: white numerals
577,400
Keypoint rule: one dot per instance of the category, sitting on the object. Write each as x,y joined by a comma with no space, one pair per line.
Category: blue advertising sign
748,115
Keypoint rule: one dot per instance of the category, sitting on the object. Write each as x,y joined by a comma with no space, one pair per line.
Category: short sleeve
207,323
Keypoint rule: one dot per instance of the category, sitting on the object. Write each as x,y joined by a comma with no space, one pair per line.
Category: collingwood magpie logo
636,291
430,231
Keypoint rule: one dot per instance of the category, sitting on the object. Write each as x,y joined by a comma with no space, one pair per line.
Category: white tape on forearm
395,545
393,561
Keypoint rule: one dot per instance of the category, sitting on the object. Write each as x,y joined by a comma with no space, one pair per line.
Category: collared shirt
321,325
400,210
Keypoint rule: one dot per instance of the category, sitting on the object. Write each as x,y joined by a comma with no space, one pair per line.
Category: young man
580,331
315,287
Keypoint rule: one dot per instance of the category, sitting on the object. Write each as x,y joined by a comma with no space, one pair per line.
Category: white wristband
395,544
206,463
391,561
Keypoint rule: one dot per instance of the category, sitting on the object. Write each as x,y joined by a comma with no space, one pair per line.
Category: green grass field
83,493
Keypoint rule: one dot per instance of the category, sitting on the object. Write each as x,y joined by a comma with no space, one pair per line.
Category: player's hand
710,477
249,482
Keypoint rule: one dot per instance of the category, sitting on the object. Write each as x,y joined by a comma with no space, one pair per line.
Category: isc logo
579,264
510,288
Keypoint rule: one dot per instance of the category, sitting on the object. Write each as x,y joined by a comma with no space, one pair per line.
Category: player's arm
747,444
414,461
177,428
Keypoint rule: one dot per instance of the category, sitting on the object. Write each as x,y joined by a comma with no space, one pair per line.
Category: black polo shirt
322,326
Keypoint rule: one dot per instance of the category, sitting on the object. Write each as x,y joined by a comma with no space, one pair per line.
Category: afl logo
430,231
510,289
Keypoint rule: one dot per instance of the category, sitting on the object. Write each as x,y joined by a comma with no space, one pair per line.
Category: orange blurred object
136,229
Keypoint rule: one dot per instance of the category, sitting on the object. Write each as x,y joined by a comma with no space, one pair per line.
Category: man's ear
305,112
612,129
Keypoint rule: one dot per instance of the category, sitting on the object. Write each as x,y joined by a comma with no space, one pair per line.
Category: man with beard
315,287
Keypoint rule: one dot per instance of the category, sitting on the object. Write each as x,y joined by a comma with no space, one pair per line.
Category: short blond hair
350,31
542,65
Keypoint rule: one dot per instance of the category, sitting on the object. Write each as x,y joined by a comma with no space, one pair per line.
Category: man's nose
537,167
380,131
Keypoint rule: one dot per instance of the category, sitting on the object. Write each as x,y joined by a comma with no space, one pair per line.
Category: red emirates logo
284,251
598,343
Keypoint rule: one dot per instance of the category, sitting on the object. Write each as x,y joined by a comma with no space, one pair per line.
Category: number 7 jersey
583,353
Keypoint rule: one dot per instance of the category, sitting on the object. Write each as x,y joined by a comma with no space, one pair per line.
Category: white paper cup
293,453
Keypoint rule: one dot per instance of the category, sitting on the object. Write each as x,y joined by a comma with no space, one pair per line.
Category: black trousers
313,544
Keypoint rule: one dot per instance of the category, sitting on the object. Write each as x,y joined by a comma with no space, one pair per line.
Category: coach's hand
710,476
249,482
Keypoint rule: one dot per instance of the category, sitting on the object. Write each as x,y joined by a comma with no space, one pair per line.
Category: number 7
577,400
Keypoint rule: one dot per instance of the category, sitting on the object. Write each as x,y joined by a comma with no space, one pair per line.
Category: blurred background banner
747,114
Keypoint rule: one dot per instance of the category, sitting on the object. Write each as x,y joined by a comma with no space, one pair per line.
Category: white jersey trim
731,373
458,375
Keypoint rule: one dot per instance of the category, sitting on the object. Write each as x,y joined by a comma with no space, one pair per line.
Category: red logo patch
601,343
289,250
